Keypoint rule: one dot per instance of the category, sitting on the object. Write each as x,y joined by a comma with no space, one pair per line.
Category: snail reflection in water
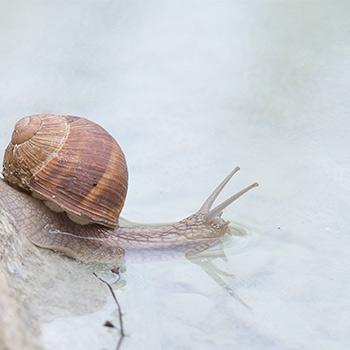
78,170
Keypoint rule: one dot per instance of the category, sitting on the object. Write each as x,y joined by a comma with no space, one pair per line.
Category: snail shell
71,163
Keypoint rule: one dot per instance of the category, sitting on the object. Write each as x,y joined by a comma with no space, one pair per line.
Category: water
190,90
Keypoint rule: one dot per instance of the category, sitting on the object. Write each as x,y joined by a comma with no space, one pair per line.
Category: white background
190,89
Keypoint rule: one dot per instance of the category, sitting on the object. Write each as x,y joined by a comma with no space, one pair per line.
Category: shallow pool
190,90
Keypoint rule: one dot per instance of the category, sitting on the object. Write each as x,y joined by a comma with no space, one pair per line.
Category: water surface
190,90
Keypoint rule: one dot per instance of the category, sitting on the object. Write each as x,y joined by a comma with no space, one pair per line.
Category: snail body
74,167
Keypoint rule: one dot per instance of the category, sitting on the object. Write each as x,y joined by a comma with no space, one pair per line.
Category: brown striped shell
71,163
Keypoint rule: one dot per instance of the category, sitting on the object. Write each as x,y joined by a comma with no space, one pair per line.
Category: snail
65,181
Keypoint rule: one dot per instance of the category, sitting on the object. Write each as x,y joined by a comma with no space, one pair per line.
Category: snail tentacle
217,211
211,199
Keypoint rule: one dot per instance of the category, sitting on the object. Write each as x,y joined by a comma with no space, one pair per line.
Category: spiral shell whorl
35,140
25,129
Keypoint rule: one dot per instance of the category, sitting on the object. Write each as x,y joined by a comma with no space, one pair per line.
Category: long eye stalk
217,211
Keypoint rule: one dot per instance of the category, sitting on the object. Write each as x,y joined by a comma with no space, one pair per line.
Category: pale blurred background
190,89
